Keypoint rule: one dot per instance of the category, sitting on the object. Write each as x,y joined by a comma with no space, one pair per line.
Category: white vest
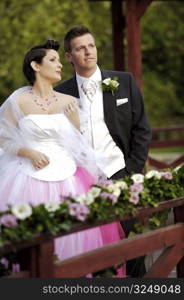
96,131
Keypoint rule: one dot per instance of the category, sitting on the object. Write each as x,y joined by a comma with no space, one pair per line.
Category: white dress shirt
96,130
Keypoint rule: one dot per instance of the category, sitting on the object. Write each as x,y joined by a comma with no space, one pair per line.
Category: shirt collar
96,76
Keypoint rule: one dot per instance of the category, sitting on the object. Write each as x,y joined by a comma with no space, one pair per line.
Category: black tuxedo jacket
127,123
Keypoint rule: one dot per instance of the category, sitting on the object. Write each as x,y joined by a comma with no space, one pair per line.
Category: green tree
25,23
163,61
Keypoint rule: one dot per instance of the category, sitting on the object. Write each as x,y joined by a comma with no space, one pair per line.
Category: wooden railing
36,257
162,138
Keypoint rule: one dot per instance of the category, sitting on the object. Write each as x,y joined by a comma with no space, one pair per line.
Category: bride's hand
38,159
71,111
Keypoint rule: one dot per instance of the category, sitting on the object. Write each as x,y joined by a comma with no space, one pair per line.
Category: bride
44,155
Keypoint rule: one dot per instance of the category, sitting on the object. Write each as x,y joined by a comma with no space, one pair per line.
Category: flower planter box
21,274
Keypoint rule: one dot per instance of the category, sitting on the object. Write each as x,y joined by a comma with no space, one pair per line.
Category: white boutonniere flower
110,84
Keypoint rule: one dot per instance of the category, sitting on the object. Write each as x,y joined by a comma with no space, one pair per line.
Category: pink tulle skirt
17,187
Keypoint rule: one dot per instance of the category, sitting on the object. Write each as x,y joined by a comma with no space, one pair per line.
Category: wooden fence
163,138
36,257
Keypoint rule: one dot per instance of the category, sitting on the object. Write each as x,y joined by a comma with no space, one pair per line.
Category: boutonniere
110,84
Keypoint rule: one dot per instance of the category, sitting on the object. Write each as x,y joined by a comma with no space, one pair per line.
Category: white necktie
89,88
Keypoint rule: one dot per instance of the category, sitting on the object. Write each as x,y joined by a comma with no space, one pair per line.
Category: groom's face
83,54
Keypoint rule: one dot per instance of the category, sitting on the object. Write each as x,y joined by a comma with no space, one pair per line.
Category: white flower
89,197
107,81
122,185
81,198
94,191
177,168
51,206
114,83
153,173
21,210
137,178
85,199
110,84
115,190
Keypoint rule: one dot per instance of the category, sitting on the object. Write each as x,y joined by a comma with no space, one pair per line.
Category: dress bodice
47,134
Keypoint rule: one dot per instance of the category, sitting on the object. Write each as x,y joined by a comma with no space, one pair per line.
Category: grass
168,150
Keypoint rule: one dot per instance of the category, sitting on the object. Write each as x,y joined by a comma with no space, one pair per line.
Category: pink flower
15,268
112,197
64,199
8,220
80,211
4,262
105,182
134,198
84,211
167,175
136,188
73,209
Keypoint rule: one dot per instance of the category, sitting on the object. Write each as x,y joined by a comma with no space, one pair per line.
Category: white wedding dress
72,169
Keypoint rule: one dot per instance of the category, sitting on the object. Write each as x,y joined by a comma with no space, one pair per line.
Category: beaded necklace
43,103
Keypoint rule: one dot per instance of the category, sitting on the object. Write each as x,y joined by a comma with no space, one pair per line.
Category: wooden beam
141,8
21,274
45,257
118,28
166,262
134,11
134,42
162,165
156,163
119,252
166,143
179,217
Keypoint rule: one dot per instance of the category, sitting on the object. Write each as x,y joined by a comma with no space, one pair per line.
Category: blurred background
25,23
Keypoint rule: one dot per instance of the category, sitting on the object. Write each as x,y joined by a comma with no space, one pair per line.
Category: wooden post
38,260
179,217
118,27
45,260
134,11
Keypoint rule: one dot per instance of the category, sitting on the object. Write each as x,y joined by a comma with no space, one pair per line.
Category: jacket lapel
109,107
73,88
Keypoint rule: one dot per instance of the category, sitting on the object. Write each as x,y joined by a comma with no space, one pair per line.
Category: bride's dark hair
37,53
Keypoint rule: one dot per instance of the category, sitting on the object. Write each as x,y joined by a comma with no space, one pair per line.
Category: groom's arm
140,135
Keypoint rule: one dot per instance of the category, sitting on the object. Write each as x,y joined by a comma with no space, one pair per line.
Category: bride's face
50,67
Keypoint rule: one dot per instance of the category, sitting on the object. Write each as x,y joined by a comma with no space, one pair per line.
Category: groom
117,125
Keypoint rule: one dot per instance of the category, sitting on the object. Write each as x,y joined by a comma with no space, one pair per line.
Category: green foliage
157,220
29,22
163,62
101,203
162,102
107,272
101,26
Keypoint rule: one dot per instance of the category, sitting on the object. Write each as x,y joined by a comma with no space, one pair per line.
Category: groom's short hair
74,32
